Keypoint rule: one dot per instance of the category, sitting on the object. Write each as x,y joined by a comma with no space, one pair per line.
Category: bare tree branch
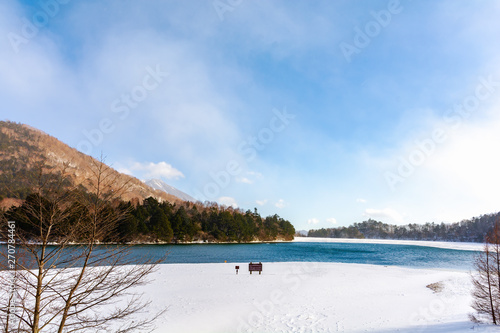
486,279
70,275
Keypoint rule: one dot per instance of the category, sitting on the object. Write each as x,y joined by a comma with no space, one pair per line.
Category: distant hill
301,233
471,230
22,147
159,184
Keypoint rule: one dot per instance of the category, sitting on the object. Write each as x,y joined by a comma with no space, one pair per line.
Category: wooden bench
255,267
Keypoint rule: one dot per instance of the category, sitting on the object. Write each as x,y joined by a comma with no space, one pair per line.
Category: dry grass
436,287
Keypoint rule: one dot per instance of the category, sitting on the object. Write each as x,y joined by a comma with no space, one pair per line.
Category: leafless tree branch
70,274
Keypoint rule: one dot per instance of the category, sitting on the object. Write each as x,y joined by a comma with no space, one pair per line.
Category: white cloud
469,163
261,202
125,171
457,177
281,204
244,180
228,201
250,178
384,214
313,221
331,220
157,170
361,200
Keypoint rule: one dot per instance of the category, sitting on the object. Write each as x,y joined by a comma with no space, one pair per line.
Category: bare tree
70,274
486,280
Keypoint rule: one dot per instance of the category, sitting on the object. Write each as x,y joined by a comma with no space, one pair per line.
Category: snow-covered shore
310,297
444,245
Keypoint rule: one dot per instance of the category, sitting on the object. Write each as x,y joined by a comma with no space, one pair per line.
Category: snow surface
444,245
310,297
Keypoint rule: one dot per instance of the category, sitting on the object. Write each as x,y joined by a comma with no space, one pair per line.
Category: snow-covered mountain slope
159,184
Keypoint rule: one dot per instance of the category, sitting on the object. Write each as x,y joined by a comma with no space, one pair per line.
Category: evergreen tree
160,226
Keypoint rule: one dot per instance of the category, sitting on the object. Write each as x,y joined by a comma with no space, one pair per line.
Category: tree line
154,221
471,230
209,222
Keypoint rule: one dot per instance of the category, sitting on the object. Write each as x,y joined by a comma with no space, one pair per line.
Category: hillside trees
473,230
160,226
153,221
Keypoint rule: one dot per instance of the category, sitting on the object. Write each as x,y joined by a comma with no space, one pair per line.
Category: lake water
376,254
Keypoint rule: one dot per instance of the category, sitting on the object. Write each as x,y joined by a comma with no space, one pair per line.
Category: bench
255,267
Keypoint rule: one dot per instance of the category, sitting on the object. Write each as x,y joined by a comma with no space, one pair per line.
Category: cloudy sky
324,112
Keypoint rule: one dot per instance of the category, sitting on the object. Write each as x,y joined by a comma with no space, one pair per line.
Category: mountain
159,184
154,215
301,233
22,147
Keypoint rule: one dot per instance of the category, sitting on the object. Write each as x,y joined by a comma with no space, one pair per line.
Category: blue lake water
376,254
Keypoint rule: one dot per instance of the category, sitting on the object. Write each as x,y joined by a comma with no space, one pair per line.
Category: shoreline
464,246
162,243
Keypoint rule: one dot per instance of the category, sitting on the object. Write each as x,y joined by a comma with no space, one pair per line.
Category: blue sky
324,112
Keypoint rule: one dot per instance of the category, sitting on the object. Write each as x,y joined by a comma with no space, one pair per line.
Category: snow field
310,297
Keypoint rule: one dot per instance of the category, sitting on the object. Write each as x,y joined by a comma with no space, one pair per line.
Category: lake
375,254
359,253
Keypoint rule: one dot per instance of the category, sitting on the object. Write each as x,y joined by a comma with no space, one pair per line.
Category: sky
323,112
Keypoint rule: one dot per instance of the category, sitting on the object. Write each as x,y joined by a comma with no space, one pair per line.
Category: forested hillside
472,230
153,221
188,222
